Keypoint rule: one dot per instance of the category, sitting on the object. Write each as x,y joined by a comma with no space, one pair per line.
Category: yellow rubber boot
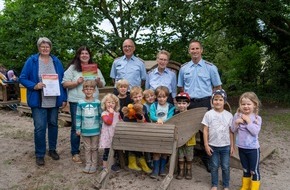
132,163
255,185
246,183
144,166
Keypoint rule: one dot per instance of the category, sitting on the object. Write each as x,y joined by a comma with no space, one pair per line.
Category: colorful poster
90,71
51,85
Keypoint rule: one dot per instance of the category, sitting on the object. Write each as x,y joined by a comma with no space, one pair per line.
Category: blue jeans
45,118
74,138
220,156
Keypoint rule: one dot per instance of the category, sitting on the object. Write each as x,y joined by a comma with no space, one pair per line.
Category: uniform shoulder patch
117,58
208,63
140,59
150,71
184,64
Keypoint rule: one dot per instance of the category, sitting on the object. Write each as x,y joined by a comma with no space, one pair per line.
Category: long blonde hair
254,98
113,97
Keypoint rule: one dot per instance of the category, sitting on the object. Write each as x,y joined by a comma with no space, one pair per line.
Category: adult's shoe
40,161
53,154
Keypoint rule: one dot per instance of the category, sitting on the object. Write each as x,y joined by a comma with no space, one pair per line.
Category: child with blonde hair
149,97
88,124
136,94
247,125
110,116
122,87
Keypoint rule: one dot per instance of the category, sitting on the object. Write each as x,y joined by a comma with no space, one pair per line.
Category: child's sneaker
76,158
87,169
92,170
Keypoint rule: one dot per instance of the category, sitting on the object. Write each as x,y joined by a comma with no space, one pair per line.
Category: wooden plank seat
144,137
152,137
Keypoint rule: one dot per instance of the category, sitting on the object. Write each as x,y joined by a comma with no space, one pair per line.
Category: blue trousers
45,118
74,138
220,157
250,160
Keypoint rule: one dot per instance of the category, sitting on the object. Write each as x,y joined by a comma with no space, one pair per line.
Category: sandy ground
19,171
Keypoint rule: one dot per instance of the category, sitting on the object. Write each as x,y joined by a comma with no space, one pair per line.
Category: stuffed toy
133,111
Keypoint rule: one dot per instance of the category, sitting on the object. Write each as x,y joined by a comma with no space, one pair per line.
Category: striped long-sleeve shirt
88,117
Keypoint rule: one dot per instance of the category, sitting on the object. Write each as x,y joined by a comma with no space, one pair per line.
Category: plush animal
133,111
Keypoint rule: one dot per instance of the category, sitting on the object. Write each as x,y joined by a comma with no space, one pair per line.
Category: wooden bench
151,137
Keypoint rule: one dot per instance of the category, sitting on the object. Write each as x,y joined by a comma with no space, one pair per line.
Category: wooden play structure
9,94
151,137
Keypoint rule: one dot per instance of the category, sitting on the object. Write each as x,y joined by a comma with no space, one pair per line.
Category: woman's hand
80,80
78,133
63,105
99,82
39,86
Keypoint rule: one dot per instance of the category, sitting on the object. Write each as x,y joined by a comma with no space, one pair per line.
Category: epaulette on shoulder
183,64
117,58
140,59
209,63
150,71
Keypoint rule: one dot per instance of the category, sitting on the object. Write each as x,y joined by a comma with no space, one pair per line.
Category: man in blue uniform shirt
129,67
199,78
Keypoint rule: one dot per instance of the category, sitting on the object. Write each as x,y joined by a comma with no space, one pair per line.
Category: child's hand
141,120
110,110
246,118
78,133
208,150
159,121
239,121
232,150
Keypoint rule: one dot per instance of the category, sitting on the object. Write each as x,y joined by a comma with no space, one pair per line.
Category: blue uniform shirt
133,70
167,78
198,79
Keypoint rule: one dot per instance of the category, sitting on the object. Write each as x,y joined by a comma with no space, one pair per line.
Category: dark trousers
250,160
197,103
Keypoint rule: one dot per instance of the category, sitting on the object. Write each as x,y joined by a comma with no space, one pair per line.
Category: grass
279,121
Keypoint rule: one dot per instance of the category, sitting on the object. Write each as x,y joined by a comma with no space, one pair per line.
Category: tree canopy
248,40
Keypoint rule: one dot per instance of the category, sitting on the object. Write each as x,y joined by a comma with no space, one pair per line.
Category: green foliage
247,40
104,64
267,23
245,67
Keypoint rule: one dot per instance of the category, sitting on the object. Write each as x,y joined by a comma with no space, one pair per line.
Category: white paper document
51,85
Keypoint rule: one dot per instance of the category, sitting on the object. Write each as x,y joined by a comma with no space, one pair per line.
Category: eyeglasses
127,47
44,47
163,59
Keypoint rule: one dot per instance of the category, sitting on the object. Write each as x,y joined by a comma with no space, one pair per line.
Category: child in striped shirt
88,125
